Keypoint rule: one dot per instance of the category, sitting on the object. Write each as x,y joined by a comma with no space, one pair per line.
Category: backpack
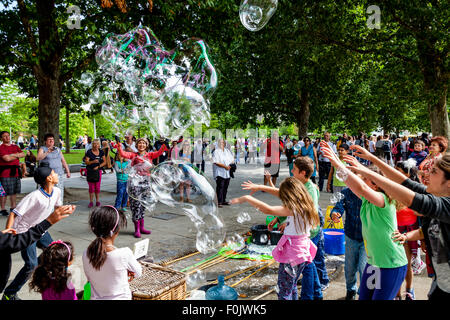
394,149
385,147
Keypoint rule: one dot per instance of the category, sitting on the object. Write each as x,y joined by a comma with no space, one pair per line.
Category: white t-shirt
224,157
295,229
405,146
34,208
111,281
371,146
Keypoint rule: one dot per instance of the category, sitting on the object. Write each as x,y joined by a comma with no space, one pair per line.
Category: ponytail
96,253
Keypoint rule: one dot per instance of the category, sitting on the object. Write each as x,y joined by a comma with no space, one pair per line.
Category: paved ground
176,237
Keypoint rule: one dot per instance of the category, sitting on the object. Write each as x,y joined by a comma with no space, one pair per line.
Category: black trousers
222,189
324,171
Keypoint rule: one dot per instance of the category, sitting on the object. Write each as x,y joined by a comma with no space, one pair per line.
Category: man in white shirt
324,162
130,143
222,159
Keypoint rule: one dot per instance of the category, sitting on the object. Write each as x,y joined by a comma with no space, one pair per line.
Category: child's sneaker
124,209
90,205
98,204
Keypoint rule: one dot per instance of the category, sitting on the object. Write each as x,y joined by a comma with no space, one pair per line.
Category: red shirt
406,217
6,150
134,155
273,159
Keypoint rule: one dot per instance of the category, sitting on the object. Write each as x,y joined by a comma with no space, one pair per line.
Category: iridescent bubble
87,79
243,217
342,174
255,14
297,147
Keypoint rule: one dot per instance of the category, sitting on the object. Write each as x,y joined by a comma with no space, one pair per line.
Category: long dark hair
408,169
102,221
52,270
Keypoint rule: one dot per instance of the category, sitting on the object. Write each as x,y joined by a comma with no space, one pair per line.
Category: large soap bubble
255,14
165,91
178,185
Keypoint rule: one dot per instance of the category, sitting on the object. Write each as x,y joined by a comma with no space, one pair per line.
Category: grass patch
74,157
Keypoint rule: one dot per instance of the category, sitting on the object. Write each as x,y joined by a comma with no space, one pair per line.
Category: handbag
92,175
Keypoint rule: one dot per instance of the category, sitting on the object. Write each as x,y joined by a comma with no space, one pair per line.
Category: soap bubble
342,174
243,217
165,184
297,147
169,90
236,242
87,79
336,197
255,14
196,280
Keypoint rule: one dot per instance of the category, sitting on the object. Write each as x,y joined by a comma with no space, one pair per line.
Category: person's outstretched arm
263,207
11,242
358,186
248,185
388,171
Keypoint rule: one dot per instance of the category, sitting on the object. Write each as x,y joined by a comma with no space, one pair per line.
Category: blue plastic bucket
334,241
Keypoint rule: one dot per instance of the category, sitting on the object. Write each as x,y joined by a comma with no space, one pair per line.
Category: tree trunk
436,86
303,114
49,107
67,129
439,116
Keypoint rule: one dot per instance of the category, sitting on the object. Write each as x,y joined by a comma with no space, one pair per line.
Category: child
419,154
355,254
107,268
338,185
51,278
407,221
295,249
34,208
315,277
120,165
386,260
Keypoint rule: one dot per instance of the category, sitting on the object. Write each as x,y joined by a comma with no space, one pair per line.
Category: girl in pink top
137,209
51,278
295,249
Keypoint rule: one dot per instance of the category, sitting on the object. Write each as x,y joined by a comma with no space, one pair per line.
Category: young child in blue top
355,253
419,154
121,165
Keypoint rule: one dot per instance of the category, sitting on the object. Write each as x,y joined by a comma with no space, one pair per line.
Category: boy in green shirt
338,185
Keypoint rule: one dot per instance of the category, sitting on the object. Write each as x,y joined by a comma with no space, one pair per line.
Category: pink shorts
94,187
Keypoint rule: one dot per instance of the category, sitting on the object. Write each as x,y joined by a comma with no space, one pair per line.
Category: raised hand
329,153
61,213
248,185
361,152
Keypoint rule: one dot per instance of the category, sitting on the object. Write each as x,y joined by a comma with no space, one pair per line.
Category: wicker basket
158,283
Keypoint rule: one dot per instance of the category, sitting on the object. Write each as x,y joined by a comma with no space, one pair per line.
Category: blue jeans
315,274
310,283
381,283
122,195
29,256
319,259
287,283
355,261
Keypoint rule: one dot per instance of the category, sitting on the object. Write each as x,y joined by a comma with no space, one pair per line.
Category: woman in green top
386,260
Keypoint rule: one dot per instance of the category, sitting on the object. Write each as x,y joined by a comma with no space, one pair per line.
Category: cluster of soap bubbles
141,84
196,279
172,182
243,217
336,197
255,14
235,242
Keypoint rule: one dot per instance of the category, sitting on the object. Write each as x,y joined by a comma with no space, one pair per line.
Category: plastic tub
334,241
260,234
275,236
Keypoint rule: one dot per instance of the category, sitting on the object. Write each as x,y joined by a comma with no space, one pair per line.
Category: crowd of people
394,200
